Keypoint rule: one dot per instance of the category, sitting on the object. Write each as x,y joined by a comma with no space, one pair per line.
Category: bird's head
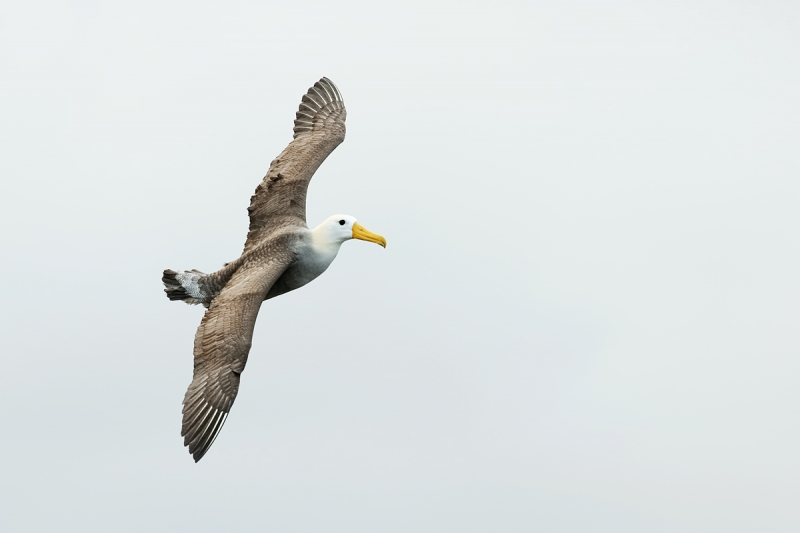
340,228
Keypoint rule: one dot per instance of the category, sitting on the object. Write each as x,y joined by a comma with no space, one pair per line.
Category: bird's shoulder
282,244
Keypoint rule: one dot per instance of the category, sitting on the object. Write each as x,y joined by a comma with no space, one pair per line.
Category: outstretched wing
221,346
318,129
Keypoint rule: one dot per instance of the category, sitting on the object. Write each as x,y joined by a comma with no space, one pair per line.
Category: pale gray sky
586,318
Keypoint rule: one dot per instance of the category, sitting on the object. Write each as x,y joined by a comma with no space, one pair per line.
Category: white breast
314,258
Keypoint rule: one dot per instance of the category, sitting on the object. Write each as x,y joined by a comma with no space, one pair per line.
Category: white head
339,228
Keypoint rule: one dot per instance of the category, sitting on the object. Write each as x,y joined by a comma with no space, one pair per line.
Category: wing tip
199,449
202,422
323,99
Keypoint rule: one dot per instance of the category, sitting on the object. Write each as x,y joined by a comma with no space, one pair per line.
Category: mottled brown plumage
221,346
281,196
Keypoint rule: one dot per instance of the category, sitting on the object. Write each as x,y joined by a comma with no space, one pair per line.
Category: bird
280,254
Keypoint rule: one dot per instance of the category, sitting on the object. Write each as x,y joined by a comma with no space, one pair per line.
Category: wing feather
280,199
222,344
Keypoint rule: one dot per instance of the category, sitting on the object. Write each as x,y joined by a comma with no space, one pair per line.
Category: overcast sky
586,318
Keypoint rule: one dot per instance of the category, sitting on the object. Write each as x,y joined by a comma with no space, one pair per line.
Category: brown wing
318,129
221,346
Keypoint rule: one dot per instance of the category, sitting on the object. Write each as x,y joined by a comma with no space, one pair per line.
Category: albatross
280,255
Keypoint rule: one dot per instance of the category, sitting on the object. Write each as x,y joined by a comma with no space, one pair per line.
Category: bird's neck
324,246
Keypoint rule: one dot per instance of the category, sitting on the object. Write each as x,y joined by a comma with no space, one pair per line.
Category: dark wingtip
317,104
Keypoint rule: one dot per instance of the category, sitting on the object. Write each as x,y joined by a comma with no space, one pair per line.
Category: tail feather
187,286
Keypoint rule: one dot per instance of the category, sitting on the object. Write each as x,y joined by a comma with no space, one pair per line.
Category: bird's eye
341,222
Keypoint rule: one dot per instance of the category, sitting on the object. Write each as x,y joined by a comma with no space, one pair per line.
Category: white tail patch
187,286
190,281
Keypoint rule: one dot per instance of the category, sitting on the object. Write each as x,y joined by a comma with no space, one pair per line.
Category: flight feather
221,346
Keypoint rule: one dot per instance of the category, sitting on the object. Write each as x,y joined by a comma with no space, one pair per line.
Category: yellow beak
362,233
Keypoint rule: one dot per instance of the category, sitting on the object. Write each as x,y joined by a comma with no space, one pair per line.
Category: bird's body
280,255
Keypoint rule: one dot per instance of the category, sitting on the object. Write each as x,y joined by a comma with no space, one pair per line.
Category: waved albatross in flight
281,254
